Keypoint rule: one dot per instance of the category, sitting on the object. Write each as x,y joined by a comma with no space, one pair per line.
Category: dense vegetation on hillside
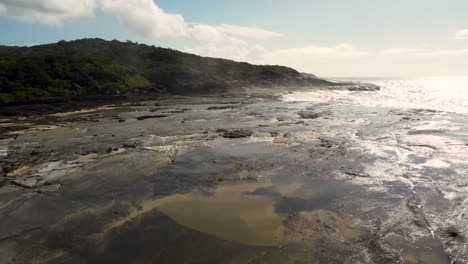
47,76
96,66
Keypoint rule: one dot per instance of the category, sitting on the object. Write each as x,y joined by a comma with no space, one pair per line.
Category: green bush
43,76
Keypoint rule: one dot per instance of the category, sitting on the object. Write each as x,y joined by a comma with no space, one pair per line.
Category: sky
330,38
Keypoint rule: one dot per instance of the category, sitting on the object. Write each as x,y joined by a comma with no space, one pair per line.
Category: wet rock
34,153
363,87
274,134
308,115
129,145
454,233
425,132
235,133
49,187
357,174
29,182
254,114
176,112
86,152
3,181
140,118
224,107
215,181
10,167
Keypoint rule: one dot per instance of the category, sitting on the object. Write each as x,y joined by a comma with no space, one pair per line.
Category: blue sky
330,38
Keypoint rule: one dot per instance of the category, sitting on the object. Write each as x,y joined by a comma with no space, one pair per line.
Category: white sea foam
3,151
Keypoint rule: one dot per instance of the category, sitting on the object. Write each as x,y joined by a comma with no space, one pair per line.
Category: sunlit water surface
435,93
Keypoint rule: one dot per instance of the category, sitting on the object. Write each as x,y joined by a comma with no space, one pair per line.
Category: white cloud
203,32
51,12
338,59
230,49
449,52
461,34
145,18
338,51
214,43
401,51
420,52
142,17
248,32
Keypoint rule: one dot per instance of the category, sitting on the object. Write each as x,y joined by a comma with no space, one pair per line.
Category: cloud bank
50,12
461,34
145,18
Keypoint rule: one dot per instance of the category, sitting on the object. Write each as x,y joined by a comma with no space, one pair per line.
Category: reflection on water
442,94
231,213
424,251
253,214
318,225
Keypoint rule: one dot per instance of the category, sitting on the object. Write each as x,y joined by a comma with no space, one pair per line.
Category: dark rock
274,134
176,111
454,233
225,107
86,152
28,183
235,133
109,150
150,117
308,115
425,132
3,181
129,145
364,87
357,174
215,180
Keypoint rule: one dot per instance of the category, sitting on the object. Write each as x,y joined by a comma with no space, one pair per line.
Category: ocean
448,94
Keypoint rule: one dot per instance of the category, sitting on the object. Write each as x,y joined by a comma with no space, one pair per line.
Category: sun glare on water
435,93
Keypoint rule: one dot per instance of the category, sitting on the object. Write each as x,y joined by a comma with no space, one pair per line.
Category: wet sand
234,180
